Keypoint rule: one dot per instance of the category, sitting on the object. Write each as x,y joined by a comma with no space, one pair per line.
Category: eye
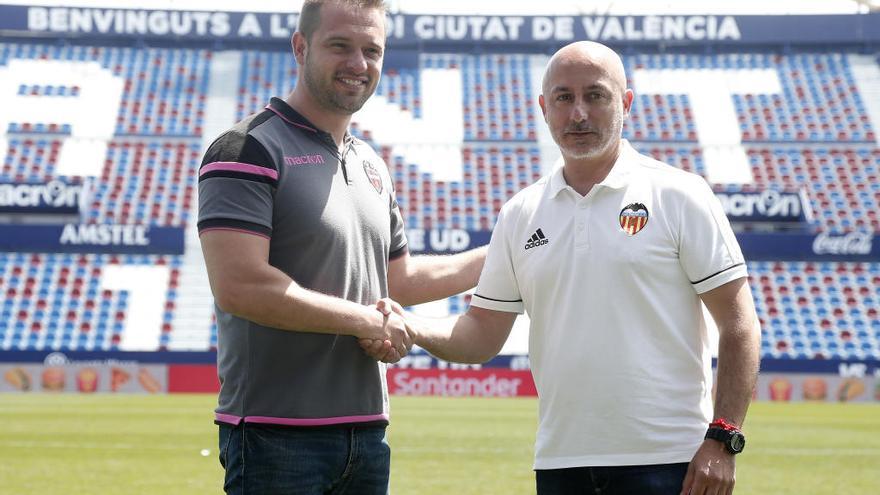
374,53
563,97
595,95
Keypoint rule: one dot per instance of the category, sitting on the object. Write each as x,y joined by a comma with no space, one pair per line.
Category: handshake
396,336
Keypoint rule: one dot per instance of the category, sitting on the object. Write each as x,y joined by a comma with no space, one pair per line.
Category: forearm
430,278
739,346
244,284
713,467
738,363
476,337
271,298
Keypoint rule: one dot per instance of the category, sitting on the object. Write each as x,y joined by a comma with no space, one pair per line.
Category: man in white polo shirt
611,255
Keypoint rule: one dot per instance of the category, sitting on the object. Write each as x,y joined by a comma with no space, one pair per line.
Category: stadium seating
842,183
56,302
820,310
164,90
497,97
814,135
146,183
491,175
819,100
30,159
263,75
664,118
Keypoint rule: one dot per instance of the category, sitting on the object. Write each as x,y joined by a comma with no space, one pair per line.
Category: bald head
586,54
585,101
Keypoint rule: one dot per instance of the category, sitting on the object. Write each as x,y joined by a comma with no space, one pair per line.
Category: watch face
737,442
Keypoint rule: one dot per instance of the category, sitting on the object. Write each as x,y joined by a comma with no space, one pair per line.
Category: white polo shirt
618,345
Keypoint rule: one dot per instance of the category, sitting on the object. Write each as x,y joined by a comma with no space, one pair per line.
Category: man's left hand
712,471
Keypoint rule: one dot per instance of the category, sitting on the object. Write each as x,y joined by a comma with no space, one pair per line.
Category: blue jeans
658,479
279,460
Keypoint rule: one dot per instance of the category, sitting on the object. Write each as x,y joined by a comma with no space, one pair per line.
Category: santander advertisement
487,382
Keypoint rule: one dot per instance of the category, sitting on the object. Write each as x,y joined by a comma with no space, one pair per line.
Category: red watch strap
723,424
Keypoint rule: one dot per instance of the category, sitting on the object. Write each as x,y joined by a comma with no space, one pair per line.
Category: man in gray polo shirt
302,236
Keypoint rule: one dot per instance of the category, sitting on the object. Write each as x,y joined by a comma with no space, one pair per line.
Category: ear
628,97
300,45
543,106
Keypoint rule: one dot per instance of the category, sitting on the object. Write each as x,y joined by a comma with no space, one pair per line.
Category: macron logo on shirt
303,160
537,239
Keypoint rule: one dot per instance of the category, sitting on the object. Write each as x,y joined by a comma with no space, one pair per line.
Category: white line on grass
812,452
824,452
95,446
809,452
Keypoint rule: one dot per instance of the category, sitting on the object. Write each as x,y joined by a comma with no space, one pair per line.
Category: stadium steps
430,139
191,326
866,72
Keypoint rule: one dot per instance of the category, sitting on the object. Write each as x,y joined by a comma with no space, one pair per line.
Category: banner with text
56,197
855,246
417,374
492,382
91,238
756,246
421,29
766,207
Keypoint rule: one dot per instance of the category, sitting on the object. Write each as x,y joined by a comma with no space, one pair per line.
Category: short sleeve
237,181
708,250
398,231
398,246
498,289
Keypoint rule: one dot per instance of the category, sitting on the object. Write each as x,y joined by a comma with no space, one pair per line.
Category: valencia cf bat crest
633,218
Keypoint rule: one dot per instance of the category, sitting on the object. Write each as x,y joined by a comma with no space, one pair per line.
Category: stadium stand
815,135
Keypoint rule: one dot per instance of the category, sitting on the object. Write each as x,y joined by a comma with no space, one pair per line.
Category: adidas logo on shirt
537,239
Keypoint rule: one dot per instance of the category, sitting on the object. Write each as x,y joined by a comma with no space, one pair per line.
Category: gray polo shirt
333,224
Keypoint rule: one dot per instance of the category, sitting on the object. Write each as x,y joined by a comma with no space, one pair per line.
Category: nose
579,111
357,63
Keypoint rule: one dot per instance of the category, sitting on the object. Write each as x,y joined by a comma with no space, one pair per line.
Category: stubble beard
608,139
326,95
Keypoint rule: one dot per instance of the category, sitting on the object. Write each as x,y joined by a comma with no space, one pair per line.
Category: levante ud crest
373,175
633,218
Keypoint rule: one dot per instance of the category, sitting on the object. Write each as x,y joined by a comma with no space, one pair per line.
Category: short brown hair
310,14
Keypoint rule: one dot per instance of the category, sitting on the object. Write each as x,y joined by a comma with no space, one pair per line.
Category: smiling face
342,62
585,101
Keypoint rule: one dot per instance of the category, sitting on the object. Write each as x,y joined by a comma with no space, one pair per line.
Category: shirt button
582,206
580,225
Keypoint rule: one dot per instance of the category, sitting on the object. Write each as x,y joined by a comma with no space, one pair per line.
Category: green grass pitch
109,444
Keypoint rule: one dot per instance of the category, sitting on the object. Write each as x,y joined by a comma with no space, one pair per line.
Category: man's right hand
397,339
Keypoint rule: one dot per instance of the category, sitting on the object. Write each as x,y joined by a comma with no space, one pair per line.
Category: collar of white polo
617,178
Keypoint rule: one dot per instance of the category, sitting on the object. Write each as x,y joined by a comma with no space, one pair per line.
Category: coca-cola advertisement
854,243
822,246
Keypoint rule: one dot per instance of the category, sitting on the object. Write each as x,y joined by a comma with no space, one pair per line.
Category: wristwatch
729,435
